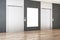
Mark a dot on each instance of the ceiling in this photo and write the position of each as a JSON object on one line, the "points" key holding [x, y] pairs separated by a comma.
{"points": [[50, 1]]}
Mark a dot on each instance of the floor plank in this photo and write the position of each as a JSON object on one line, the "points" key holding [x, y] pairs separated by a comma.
{"points": [[32, 35]]}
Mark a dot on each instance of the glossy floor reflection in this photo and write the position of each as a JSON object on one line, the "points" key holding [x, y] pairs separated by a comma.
{"points": [[32, 35]]}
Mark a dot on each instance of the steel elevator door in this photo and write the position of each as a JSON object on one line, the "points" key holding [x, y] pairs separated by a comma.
{"points": [[45, 19]]}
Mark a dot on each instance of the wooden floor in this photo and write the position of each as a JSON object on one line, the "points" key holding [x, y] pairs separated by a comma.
{"points": [[32, 35]]}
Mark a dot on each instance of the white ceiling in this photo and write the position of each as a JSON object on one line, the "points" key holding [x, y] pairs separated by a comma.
{"points": [[51, 1]]}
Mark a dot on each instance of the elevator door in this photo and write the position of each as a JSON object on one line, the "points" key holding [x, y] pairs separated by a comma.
{"points": [[45, 19]]}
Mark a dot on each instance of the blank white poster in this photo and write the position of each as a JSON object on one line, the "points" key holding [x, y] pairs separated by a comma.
{"points": [[32, 17]]}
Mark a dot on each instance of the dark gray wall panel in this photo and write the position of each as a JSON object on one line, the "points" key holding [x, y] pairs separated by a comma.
{"points": [[31, 4], [2, 15], [56, 16]]}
